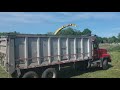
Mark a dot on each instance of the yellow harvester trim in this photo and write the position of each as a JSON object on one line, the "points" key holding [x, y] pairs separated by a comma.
{"points": [[58, 30]]}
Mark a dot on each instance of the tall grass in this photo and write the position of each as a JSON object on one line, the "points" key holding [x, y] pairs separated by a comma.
{"points": [[114, 48], [111, 48]]}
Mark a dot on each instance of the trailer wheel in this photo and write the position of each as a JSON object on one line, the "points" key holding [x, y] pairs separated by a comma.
{"points": [[105, 64], [49, 73], [30, 74]]}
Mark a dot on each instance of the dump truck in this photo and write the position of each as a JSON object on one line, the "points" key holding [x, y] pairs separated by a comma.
{"points": [[42, 56]]}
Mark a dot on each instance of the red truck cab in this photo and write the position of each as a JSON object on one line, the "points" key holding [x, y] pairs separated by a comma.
{"points": [[104, 54], [100, 55]]}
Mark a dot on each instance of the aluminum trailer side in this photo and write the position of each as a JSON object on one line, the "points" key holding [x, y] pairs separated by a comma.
{"points": [[26, 51]]}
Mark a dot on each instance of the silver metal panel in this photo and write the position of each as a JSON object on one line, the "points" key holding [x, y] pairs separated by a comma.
{"points": [[19, 48], [75, 49], [63, 49], [44, 49], [3, 45], [71, 48], [20, 51], [85, 47], [32, 50], [11, 56], [3, 52], [90, 48], [26, 51], [59, 49], [67, 48], [78, 48], [47, 49], [82, 52], [38, 51], [54, 49]]}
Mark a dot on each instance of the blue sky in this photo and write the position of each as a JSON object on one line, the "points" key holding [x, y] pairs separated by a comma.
{"points": [[104, 24]]}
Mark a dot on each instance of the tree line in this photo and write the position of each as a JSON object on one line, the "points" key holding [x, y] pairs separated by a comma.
{"points": [[71, 31], [112, 39], [11, 33]]}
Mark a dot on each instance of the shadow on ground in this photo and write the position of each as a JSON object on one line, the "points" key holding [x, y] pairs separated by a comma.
{"points": [[70, 72]]}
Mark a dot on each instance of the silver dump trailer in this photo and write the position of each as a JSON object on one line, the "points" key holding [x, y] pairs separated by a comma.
{"points": [[23, 54]]}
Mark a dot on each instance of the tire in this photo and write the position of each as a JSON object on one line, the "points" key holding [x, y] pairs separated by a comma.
{"points": [[105, 64], [30, 74], [49, 73]]}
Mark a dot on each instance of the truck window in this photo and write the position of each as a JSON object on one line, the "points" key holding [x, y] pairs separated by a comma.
{"points": [[95, 45]]}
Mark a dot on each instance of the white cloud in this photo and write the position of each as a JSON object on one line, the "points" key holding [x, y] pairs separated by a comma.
{"points": [[12, 19], [116, 29], [65, 13], [77, 16], [102, 15], [21, 17], [46, 17], [108, 33]]}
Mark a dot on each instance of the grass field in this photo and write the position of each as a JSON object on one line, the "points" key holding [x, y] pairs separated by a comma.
{"points": [[3, 74], [112, 72]]}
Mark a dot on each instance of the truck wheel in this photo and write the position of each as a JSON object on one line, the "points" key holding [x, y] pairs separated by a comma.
{"points": [[30, 74], [105, 64], [49, 73]]}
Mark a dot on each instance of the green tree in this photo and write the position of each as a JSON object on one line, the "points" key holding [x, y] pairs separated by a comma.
{"points": [[67, 31], [10, 33], [114, 39], [110, 40], [50, 33], [105, 40], [86, 32], [77, 32], [99, 39], [118, 37], [70, 31]]}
